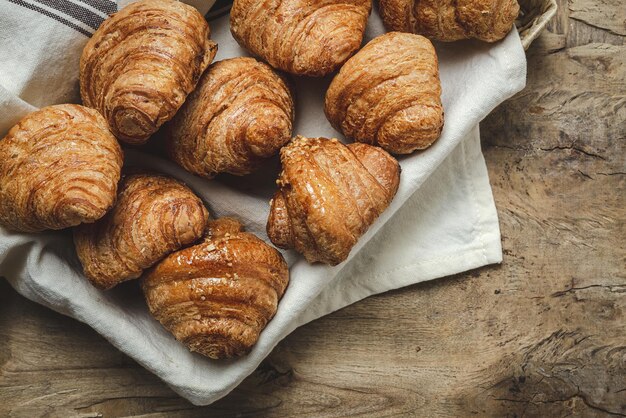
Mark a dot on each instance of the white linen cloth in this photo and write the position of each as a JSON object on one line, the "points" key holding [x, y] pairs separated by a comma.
{"points": [[442, 220]]}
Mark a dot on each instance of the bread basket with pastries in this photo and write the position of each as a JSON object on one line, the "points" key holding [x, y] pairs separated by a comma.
{"points": [[227, 179]]}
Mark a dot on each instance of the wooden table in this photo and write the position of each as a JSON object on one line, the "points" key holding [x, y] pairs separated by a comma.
{"points": [[544, 334]]}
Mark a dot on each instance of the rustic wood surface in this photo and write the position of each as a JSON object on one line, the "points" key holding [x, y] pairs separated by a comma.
{"points": [[542, 335]]}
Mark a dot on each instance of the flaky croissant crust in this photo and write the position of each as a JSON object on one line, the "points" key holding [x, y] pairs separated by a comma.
{"points": [[389, 94], [240, 114], [451, 20], [59, 167], [216, 297], [142, 62], [301, 37], [329, 194], [153, 216]]}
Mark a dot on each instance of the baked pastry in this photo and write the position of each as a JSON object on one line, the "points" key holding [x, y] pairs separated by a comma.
{"points": [[59, 167], [329, 194], [142, 62], [451, 20], [389, 94], [216, 297], [240, 114], [153, 216], [300, 36]]}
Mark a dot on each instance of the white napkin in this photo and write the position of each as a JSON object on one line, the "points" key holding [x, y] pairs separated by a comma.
{"points": [[442, 220]]}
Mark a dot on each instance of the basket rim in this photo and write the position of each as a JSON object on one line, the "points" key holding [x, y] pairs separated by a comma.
{"points": [[532, 29]]}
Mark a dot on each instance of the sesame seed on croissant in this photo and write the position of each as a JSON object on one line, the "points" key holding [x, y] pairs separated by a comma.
{"points": [[451, 20], [59, 167], [301, 37], [142, 62], [389, 94], [329, 194], [216, 297], [240, 114], [153, 216]]}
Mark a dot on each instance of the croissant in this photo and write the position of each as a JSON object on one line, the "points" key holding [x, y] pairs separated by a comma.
{"points": [[216, 297], [142, 62], [240, 114], [59, 167], [451, 20], [389, 94], [329, 194], [301, 36], [153, 216]]}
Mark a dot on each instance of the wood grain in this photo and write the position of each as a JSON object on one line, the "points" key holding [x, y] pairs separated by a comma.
{"points": [[542, 335]]}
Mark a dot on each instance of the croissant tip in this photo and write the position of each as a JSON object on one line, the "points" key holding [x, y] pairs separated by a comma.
{"points": [[217, 350], [224, 226]]}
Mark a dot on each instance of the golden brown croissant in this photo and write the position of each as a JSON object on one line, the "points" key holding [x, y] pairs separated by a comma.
{"points": [[389, 94], [142, 62], [59, 167], [153, 216], [240, 114], [451, 20], [329, 194], [301, 36], [216, 297]]}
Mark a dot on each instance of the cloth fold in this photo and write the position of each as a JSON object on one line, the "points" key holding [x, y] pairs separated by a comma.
{"points": [[442, 221]]}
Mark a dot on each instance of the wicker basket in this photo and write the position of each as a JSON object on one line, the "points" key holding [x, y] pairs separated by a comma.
{"points": [[533, 18]]}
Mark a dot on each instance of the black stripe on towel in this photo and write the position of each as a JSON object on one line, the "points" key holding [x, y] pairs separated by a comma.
{"points": [[51, 15], [76, 11], [105, 6]]}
